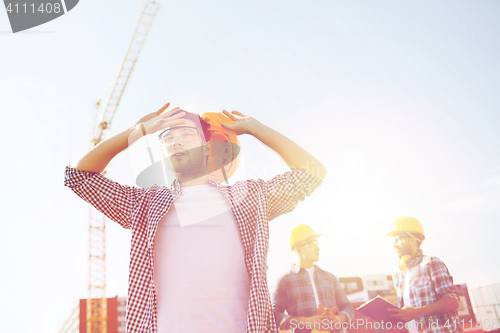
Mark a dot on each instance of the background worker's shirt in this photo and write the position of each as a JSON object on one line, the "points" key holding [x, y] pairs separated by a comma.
{"points": [[294, 293], [412, 324], [428, 281], [201, 281], [253, 203]]}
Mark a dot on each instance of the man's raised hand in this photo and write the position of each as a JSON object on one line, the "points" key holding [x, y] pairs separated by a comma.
{"points": [[242, 124], [159, 120], [100, 155]]}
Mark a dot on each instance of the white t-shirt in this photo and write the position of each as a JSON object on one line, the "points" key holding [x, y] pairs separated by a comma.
{"points": [[412, 325], [311, 277], [201, 281]]}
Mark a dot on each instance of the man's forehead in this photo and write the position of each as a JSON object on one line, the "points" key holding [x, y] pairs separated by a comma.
{"points": [[189, 122], [179, 129]]}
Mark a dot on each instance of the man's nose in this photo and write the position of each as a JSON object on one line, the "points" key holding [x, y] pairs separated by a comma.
{"points": [[177, 140]]}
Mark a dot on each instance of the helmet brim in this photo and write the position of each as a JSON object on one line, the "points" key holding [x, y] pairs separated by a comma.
{"points": [[396, 233], [305, 240]]}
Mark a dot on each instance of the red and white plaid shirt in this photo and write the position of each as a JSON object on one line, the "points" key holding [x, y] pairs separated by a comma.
{"points": [[430, 281], [253, 202], [295, 294]]}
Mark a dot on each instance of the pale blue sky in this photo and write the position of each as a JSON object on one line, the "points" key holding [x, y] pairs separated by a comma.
{"points": [[399, 100]]}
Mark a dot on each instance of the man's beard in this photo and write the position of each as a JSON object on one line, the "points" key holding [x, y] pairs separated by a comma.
{"points": [[193, 164]]}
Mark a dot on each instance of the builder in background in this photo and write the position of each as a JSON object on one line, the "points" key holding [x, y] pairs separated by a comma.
{"points": [[427, 297], [300, 291]]}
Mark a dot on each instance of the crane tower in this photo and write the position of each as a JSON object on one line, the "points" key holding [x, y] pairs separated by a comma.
{"points": [[96, 302]]}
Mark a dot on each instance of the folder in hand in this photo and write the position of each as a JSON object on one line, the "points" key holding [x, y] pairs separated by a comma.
{"points": [[376, 309]]}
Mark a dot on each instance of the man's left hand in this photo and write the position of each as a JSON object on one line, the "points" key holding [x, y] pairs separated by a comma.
{"points": [[406, 313], [293, 155], [242, 124]]}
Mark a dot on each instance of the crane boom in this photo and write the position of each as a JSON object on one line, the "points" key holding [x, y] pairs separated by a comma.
{"points": [[134, 49], [97, 302]]}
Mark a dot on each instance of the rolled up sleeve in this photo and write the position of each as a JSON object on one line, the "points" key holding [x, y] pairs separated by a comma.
{"points": [[286, 190], [114, 200], [443, 281]]}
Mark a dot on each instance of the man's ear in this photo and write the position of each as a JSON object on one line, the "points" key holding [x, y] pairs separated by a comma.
{"points": [[414, 242], [206, 154], [206, 149]]}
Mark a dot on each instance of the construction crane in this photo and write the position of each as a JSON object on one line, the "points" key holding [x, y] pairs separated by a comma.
{"points": [[96, 302]]}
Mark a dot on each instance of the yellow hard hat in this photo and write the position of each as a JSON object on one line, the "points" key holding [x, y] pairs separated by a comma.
{"points": [[405, 225], [302, 234]]}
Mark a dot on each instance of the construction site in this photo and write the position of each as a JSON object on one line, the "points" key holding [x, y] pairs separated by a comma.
{"points": [[100, 314], [397, 101]]}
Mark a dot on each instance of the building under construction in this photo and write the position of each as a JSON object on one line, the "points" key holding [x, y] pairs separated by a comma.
{"points": [[77, 320]]}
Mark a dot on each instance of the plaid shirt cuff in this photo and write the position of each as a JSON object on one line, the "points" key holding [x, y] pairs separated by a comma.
{"points": [[74, 176], [452, 295], [306, 178], [346, 315]]}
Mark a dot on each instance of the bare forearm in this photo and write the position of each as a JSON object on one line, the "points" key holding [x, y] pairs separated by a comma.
{"points": [[293, 155], [444, 305], [100, 155]]}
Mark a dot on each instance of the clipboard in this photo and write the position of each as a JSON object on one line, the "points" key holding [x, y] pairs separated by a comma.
{"points": [[376, 309]]}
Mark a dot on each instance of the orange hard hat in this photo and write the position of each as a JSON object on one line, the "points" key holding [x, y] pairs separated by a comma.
{"points": [[223, 143]]}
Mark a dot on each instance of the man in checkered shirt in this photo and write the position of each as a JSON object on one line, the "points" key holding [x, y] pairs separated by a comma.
{"points": [[427, 297], [199, 248], [301, 291]]}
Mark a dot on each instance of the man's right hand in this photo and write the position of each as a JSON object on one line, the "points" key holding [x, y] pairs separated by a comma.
{"points": [[100, 155], [157, 121]]}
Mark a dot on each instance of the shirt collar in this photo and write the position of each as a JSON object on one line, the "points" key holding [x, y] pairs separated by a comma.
{"points": [[416, 259], [296, 269], [176, 186]]}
